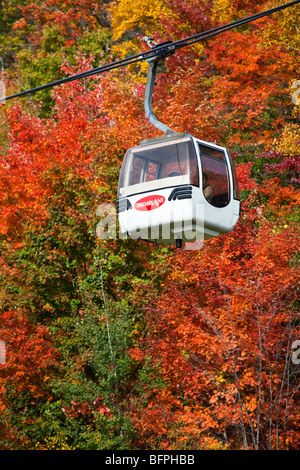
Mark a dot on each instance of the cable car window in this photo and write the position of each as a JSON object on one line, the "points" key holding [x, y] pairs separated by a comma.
{"points": [[214, 176], [159, 161], [211, 152]]}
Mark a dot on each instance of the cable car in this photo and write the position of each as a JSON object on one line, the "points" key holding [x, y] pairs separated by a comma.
{"points": [[176, 188]]}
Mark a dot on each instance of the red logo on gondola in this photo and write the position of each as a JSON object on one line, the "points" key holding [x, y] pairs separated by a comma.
{"points": [[149, 203]]}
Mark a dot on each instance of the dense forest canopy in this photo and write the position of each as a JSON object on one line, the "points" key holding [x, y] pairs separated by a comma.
{"points": [[115, 343]]}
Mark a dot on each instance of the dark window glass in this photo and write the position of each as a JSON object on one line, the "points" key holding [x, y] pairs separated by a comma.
{"points": [[215, 176]]}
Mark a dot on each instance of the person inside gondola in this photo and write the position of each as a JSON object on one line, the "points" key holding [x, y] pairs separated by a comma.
{"points": [[208, 189]]}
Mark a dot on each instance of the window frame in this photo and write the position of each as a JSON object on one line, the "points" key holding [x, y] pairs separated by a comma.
{"points": [[224, 160]]}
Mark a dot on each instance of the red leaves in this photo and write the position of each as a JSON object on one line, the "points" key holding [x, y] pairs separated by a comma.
{"points": [[86, 410], [30, 355], [247, 81], [189, 18], [71, 18], [244, 177]]}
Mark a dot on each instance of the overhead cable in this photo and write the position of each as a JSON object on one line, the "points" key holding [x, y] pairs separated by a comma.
{"points": [[160, 50]]}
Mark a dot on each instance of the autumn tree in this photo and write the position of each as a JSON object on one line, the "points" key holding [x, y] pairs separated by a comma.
{"points": [[220, 339], [67, 283]]}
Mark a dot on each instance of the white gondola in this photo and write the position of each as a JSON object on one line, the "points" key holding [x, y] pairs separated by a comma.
{"points": [[176, 188]]}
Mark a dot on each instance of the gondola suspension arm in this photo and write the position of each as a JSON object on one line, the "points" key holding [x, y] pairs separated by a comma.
{"points": [[153, 62]]}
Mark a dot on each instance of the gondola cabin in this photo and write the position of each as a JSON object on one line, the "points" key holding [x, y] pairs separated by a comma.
{"points": [[177, 189]]}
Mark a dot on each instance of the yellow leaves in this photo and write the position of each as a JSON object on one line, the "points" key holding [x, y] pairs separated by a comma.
{"points": [[278, 229], [137, 72], [227, 11], [130, 19], [222, 11], [289, 141], [285, 33], [199, 48], [142, 15], [58, 441]]}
